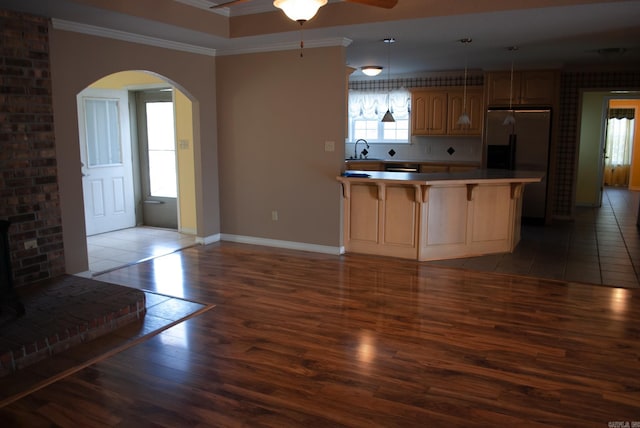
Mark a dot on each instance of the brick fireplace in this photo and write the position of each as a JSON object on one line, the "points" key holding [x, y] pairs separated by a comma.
{"points": [[29, 196]]}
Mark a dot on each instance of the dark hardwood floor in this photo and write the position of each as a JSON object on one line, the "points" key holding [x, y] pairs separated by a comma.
{"points": [[304, 339]]}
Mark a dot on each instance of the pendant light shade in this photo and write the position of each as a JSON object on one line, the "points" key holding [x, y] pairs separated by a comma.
{"points": [[464, 119], [388, 117], [299, 10]]}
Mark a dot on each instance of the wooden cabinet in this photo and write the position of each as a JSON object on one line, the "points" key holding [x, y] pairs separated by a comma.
{"points": [[436, 111], [529, 88], [428, 112], [425, 167], [474, 108], [363, 165]]}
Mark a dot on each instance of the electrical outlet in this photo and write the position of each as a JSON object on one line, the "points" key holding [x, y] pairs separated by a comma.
{"points": [[329, 146], [32, 243], [274, 215]]}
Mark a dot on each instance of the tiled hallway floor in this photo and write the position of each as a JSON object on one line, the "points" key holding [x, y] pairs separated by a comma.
{"points": [[602, 246], [111, 250]]}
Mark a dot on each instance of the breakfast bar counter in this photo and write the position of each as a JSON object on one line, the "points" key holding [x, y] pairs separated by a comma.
{"points": [[433, 216]]}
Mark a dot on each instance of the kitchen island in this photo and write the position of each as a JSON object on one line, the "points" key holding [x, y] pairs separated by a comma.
{"points": [[433, 216]]}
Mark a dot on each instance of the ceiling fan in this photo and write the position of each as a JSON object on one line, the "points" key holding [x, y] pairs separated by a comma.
{"points": [[304, 10]]}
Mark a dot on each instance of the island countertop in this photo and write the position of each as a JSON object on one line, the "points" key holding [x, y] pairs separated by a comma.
{"points": [[476, 176]]}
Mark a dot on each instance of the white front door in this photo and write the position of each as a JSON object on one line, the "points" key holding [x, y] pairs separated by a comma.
{"points": [[105, 150]]}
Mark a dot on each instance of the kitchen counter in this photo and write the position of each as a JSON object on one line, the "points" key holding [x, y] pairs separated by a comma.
{"points": [[466, 177], [433, 216]]}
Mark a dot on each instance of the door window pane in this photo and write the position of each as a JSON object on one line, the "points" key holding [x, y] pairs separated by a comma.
{"points": [[103, 132], [161, 149]]}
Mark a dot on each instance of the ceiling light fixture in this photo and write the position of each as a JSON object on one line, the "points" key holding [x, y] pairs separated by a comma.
{"points": [[299, 10], [388, 117], [371, 70], [464, 119]]}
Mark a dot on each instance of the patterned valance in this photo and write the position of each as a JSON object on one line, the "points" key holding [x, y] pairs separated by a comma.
{"points": [[621, 113], [416, 82]]}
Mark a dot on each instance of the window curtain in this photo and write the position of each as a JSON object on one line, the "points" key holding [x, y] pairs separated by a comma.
{"points": [[620, 125], [373, 105]]}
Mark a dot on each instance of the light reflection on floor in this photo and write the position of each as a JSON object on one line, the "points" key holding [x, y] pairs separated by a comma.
{"points": [[168, 275]]}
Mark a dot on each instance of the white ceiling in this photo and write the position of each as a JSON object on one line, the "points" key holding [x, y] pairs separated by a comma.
{"points": [[551, 37]]}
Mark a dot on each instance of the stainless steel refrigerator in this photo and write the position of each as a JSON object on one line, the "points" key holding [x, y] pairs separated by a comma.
{"points": [[522, 144]]}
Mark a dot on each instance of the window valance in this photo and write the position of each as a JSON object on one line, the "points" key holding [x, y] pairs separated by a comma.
{"points": [[373, 105], [621, 113]]}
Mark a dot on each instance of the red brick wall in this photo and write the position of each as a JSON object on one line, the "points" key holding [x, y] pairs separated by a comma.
{"points": [[29, 196]]}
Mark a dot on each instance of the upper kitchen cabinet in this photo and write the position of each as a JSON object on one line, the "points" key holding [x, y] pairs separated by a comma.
{"points": [[474, 108], [529, 88], [428, 112]]}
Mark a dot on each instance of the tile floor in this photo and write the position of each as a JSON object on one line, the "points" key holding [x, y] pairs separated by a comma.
{"points": [[602, 246], [108, 251]]}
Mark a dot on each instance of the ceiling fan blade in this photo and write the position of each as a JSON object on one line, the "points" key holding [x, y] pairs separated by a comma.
{"points": [[227, 4], [387, 4]]}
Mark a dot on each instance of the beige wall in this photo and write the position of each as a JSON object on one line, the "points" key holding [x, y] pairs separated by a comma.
{"points": [[276, 110], [77, 60]]}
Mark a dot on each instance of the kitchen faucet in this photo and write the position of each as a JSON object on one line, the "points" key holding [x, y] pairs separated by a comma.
{"points": [[355, 147]]}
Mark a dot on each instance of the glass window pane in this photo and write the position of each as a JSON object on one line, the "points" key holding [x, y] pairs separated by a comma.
{"points": [[162, 173], [160, 126], [102, 129], [161, 149]]}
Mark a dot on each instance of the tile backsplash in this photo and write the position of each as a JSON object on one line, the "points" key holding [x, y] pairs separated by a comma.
{"points": [[440, 149]]}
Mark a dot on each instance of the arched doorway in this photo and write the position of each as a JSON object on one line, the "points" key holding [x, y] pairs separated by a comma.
{"points": [[136, 145]]}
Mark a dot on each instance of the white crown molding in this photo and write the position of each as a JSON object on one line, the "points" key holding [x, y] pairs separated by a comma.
{"points": [[60, 24], [287, 46]]}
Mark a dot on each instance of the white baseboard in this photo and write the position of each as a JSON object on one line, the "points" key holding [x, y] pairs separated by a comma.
{"points": [[290, 245], [208, 239]]}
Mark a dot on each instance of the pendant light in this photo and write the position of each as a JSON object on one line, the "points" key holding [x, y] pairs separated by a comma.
{"points": [[511, 119], [388, 117], [299, 10], [464, 119]]}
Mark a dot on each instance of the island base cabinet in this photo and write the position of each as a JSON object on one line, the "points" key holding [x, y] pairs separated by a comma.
{"points": [[381, 220], [431, 222], [443, 232], [468, 220]]}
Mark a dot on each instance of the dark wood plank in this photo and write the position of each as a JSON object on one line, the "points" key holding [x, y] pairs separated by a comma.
{"points": [[303, 339]]}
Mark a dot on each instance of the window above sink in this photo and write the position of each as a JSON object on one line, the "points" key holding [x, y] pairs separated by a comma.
{"points": [[366, 109]]}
